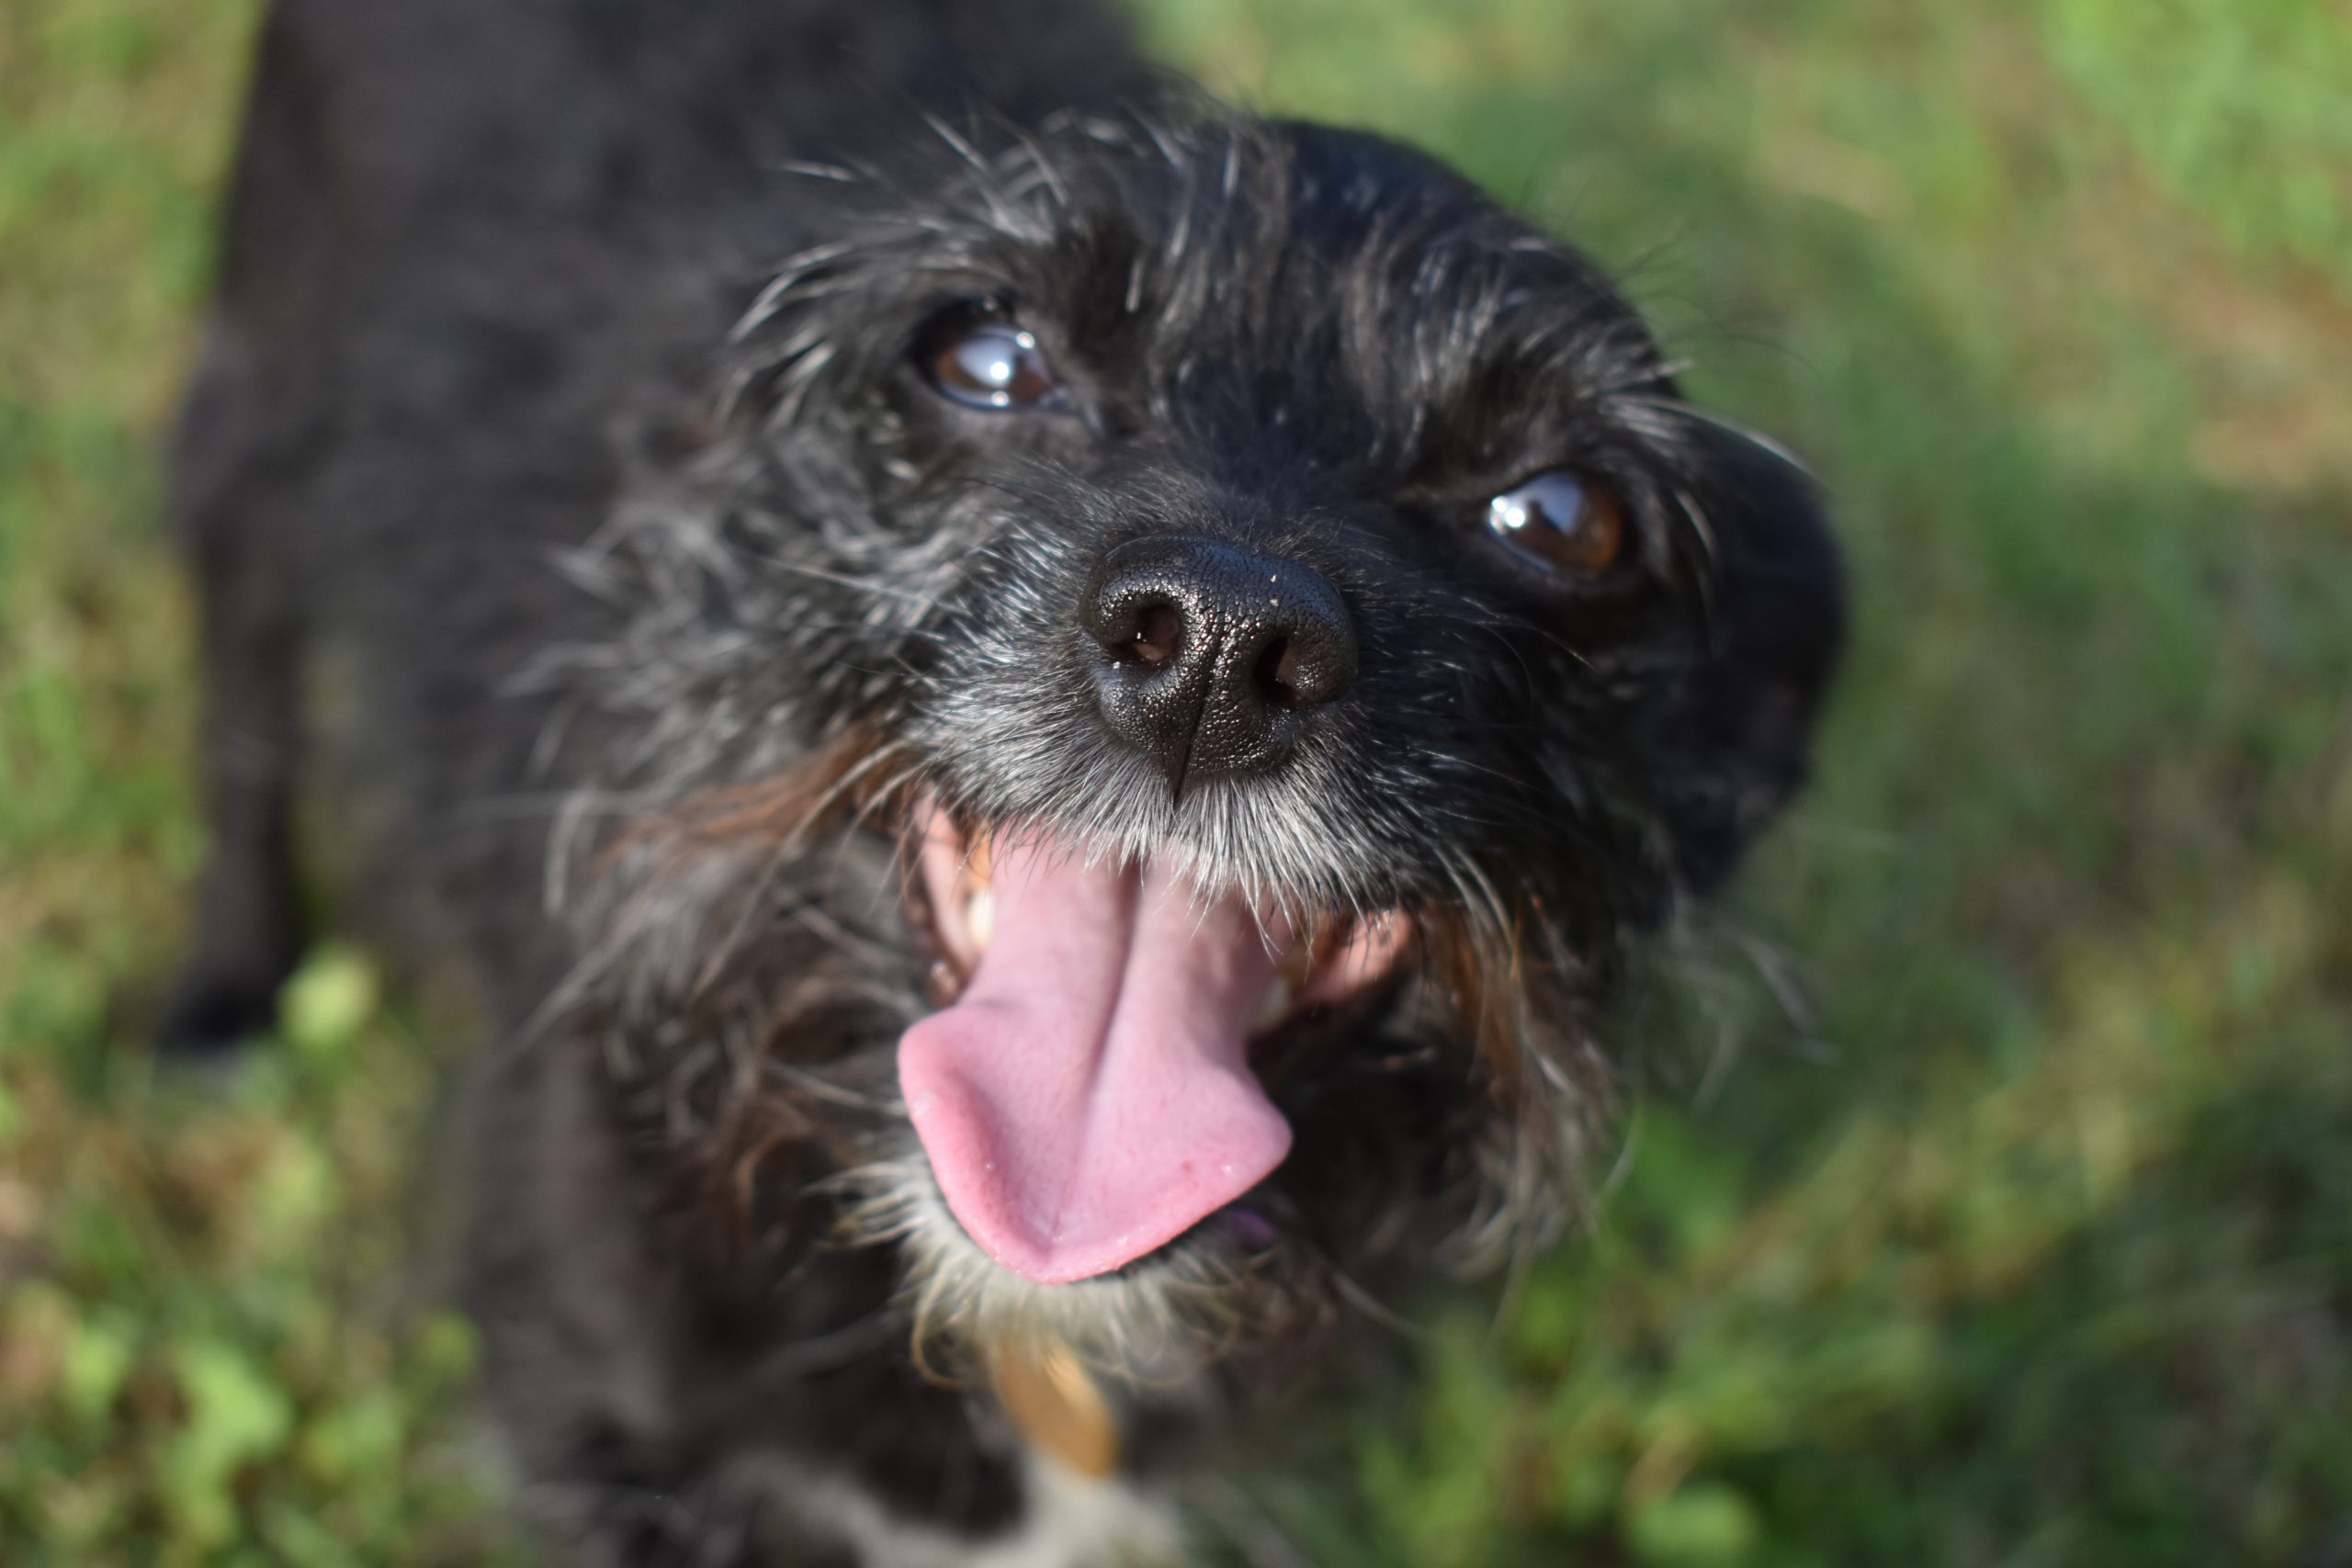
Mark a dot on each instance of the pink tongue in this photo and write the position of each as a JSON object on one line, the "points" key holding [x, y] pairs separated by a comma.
{"points": [[1089, 1098]]}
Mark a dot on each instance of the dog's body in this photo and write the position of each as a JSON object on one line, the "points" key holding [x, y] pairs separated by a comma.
{"points": [[761, 659]]}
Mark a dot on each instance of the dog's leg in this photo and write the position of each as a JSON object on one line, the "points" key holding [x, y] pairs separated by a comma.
{"points": [[230, 489], [636, 1422]]}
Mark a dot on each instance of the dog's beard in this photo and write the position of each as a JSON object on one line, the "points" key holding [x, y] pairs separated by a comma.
{"points": [[1157, 1322]]}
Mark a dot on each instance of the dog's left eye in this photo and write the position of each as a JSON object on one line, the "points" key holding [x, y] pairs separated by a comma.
{"points": [[1561, 522], [993, 367]]}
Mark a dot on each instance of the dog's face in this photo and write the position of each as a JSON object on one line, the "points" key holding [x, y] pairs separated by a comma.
{"points": [[1264, 630]]}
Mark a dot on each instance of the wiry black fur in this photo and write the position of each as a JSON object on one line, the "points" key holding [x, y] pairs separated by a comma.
{"points": [[667, 583]]}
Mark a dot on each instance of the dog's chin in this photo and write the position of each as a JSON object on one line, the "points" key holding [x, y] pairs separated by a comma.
{"points": [[1237, 1277]]}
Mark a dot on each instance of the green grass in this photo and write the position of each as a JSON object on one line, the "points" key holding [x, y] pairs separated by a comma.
{"points": [[2028, 1240]]}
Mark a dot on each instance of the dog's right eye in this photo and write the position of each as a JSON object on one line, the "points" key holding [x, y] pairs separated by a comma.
{"points": [[994, 366]]}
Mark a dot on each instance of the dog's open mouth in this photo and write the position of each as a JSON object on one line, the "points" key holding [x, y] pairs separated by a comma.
{"points": [[1087, 1094]]}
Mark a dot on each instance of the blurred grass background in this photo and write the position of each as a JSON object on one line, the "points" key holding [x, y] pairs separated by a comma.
{"points": [[1987, 1197]]}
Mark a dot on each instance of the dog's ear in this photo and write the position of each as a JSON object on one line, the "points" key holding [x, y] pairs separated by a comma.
{"points": [[1776, 626]]}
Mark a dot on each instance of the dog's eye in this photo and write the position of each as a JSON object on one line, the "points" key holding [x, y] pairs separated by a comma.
{"points": [[993, 367], [1560, 521]]}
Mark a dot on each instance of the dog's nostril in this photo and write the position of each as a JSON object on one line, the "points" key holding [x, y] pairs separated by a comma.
{"points": [[1277, 674], [1306, 663], [1158, 637]]}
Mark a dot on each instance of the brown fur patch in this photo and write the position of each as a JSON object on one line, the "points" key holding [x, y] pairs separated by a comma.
{"points": [[774, 809]]}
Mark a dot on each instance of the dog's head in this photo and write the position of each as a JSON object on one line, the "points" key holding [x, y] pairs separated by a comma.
{"points": [[1199, 645]]}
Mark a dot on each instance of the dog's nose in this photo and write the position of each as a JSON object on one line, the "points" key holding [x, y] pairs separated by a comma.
{"points": [[1210, 657]]}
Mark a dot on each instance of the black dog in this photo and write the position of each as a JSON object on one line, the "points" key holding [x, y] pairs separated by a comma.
{"points": [[1037, 797]]}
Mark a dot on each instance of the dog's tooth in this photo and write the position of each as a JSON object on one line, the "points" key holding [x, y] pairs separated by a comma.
{"points": [[979, 918]]}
